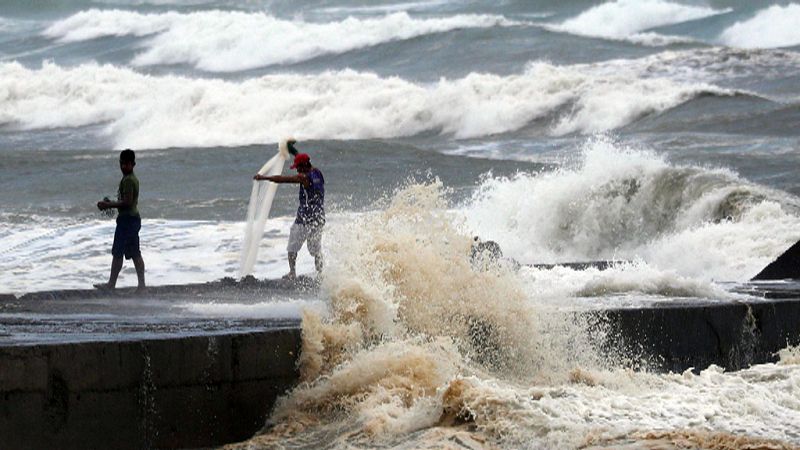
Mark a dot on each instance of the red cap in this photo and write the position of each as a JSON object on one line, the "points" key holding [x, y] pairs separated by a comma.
{"points": [[301, 158]]}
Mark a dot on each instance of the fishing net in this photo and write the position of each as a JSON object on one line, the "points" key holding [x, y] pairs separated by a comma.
{"points": [[261, 196]]}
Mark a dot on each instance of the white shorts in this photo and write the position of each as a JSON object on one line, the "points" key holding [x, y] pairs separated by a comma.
{"points": [[301, 233]]}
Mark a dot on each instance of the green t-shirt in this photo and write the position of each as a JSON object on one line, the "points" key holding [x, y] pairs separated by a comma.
{"points": [[129, 184]]}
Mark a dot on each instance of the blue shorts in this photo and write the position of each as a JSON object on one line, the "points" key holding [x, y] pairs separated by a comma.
{"points": [[126, 237]]}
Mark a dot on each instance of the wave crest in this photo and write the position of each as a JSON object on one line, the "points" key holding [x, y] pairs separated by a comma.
{"points": [[624, 203], [625, 19], [145, 111], [230, 41], [772, 27]]}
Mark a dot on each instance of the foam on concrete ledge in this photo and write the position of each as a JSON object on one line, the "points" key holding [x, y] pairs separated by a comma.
{"points": [[195, 391]]}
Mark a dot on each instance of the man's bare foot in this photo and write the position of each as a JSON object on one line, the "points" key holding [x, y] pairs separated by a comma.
{"points": [[104, 287], [289, 276], [141, 290]]}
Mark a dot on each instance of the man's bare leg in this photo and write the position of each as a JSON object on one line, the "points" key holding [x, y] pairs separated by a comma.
{"points": [[116, 266], [138, 263], [292, 263]]}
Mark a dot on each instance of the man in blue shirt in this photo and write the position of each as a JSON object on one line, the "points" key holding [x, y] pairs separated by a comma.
{"points": [[310, 219]]}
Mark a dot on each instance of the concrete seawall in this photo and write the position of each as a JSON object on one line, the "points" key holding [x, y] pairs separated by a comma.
{"points": [[730, 335], [194, 391], [153, 376]]}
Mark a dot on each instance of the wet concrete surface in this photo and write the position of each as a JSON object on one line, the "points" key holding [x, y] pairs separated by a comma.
{"points": [[219, 307]]}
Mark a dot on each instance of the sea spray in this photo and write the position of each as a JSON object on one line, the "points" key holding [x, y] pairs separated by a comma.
{"points": [[413, 274], [590, 408], [790, 355], [400, 352]]}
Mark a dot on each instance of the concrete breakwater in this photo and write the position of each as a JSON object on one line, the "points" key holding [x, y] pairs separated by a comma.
{"points": [[178, 382], [85, 369], [184, 392], [683, 336]]}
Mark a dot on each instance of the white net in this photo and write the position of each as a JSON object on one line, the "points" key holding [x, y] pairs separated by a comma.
{"points": [[261, 197]]}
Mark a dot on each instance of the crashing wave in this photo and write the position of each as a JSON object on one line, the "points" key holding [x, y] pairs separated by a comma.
{"points": [[145, 111], [229, 41], [772, 27], [627, 19]]}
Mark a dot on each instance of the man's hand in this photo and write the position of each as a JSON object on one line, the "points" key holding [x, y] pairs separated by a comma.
{"points": [[102, 205]]}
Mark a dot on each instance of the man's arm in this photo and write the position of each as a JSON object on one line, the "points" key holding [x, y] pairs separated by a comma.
{"points": [[297, 179], [126, 201]]}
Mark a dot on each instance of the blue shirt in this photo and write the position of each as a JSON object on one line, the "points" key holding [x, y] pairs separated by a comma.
{"points": [[312, 200]]}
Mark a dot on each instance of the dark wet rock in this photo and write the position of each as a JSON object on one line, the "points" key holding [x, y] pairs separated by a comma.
{"points": [[227, 281], [248, 280], [786, 266]]}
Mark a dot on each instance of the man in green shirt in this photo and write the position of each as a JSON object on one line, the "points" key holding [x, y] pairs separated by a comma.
{"points": [[126, 236]]}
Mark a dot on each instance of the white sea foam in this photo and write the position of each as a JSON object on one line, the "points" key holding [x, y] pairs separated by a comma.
{"points": [[622, 203], [154, 2], [606, 103], [225, 41], [633, 284], [93, 24], [144, 111], [618, 405], [49, 255], [626, 19], [704, 65], [385, 8], [751, 408], [658, 40], [772, 27]]}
